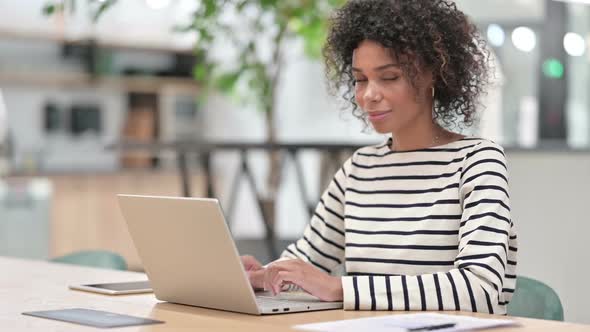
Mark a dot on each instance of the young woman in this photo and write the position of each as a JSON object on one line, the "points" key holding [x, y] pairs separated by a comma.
{"points": [[422, 221]]}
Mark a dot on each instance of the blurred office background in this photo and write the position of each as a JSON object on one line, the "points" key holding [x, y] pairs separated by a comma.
{"points": [[70, 87]]}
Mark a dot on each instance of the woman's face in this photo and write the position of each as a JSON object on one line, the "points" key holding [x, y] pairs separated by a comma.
{"points": [[385, 94]]}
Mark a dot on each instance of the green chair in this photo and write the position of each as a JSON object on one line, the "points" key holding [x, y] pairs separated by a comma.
{"points": [[94, 258], [535, 299]]}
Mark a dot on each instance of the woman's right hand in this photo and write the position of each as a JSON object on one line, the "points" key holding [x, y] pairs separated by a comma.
{"points": [[254, 270]]}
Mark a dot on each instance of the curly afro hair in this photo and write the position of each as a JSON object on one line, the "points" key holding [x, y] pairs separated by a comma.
{"points": [[423, 35]]}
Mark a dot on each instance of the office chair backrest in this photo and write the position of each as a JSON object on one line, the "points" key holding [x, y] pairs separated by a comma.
{"points": [[535, 299], [94, 258]]}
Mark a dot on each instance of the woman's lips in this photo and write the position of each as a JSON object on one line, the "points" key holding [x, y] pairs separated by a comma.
{"points": [[378, 115]]}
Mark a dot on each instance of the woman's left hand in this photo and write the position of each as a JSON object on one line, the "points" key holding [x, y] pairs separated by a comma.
{"points": [[304, 275]]}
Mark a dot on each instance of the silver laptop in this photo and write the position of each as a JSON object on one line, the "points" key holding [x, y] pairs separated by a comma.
{"points": [[190, 258]]}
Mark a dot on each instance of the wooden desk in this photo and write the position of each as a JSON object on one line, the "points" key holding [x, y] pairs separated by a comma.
{"points": [[36, 285]]}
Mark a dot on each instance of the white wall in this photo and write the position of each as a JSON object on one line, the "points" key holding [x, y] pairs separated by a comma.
{"points": [[550, 208], [503, 10]]}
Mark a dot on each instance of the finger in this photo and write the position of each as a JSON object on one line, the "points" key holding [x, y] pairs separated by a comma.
{"points": [[268, 276], [245, 262], [277, 282], [277, 279], [306, 277], [284, 278], [276, 289], [256, 278], [252, 279], [250, 263], [264, 280], [271, 283], [273, 279], [255, 264]]}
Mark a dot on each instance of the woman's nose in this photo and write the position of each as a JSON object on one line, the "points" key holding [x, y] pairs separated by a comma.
{"points": [[372, 93]]}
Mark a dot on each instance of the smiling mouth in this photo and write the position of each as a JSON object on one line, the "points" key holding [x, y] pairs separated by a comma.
{"points": [[378, 115]]}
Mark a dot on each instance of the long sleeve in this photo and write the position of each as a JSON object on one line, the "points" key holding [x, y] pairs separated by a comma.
{"points": [[481, 278], [323, 242]]}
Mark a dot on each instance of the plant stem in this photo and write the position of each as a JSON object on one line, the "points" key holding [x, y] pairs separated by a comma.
{"points": [[270, 111]]}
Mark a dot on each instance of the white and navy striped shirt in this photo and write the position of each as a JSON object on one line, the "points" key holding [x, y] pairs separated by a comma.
{"points": [[426, 229]]}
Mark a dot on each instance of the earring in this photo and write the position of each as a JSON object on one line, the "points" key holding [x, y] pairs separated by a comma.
{"points": [[433, 92]]}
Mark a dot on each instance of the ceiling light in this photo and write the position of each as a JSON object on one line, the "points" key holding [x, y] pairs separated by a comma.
{"points": [[524, 39], [496, 35], [574, 44]]}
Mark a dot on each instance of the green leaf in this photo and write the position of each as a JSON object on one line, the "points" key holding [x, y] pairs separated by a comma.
{"points": [[296, 24], [184, 28], [314, 36], [210, 8], [49, 9], [241, 5], [205, 35], [102, 9], [201, 72], [226, 82], [267, 4], [336, 3]]}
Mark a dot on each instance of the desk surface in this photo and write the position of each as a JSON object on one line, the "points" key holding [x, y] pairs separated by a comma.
{"points": [[36, 285]]}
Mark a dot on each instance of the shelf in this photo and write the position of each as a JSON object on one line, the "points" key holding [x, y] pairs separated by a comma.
{"points": [[57, 38], [142, 84]]}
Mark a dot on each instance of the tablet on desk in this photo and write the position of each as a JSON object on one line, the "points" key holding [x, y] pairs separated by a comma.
{"points": [[116, 288], [95, 318]]}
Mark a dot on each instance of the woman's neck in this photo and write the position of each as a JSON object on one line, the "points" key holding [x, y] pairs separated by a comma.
{"points": [[424, 135]]}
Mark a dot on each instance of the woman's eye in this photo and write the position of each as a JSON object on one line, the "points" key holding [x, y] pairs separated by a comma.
{"points": [[392, 78], [359, 80]]}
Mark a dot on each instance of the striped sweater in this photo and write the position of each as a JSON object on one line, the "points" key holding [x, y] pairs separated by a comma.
{"points": [[425, 229]]}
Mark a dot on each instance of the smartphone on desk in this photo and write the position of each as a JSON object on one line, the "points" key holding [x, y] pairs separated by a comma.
{"points": [[116, 288]]}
